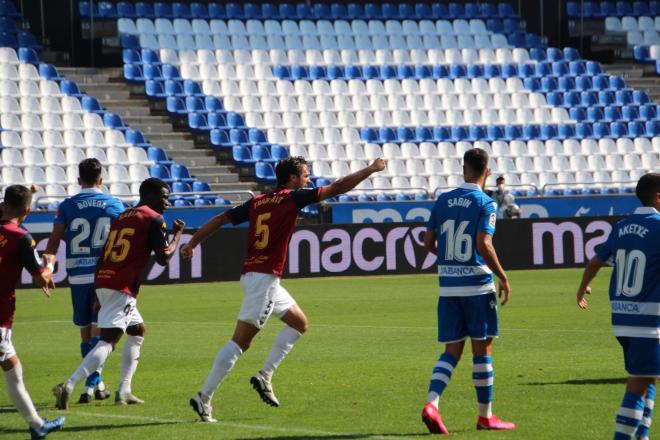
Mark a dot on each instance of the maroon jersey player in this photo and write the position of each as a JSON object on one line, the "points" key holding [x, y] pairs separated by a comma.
{"points": [[133, 237], [17, 252], [272, 219]]}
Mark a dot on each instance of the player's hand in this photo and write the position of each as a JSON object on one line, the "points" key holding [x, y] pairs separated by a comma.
{"points": [[178, 225], [45, 281], [582, 303], [49, 260], [503, 289], [187, 251], [378, 165]]}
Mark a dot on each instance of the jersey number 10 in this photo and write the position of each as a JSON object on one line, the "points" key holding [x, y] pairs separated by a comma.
{"points": [[458, 243], [630, 272]]}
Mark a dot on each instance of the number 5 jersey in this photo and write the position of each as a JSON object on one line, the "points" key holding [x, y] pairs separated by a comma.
{"points": [[133, 236], [272, 219], [634, 248]]}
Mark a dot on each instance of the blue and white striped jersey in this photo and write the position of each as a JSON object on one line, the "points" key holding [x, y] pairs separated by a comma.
{"points": [[456, 218], [634, 249], [87, 217]]}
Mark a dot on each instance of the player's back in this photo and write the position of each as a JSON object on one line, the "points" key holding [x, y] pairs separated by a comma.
{"points": [[635, 252], [133, 236], [87, 217], [457, 217]]}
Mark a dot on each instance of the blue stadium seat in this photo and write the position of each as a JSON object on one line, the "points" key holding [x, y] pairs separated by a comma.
{"points": [[613, 113], [161, 172], [572, 99], [261, 153], [129, 41], [144, 10], [238, 136], [509, 70], [155, 90], [316, 72], [370, 72], [494, 132], [213, 104], [526, 70], [279, 152], [150, 71], [475, 71], [126, 10], [7, 24], [636, 129], [131, 56], [85, 10], [512, 132], [199, 10], [180, 202], [386, 134], [175, 106], [133, 73], [27, 39], [457, 71], [583, 130], [566, 83], [590, 9], [422, 71], [605, 98], [578, 113], [234, 10], [456, 10], [191, 88], [576, 68], [549, 83], [49, 71], [404, 134], [180, 173], [560, 68], [583, 83], [630, 113], [618, 130], [136, 138], [555, 99], [642, 54], [548, 131], [648, 111], [321, 11], [181, 187], [217, 10], [652, 128], [439, 10], [607, 9], [219, 139], [589, 99], [7, 9], [601, 82], [566, 131], [202, 202], [459, 133], [91, 104], [423, 134], [554, 54], [150, 56], [533, 84], [571, 54], [304, 11], [265, 173], [640, 97], [495, 25], [181, 10], [219, 201], [492, 71], [440, 71], [624, 97], [113, 120], [107, 10], [616, 82], [201, 186], [216, 120], [70, 88], [623, 8], [28, 56], [441, 134], [256, 136], [594, 68], [252, 11], [197, 122], [194, 104]]}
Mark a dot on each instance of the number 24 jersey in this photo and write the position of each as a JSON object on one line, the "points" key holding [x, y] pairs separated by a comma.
{"points": [[133, 236]]}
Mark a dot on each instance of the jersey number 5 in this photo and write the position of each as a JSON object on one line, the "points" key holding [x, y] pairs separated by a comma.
{"points": [[118, 245], [458, 243], [630, 272], [262, 231]]}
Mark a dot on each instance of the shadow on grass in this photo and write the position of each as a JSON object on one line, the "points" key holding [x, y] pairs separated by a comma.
{"points": [[337, 436], [603, 381], [68, 428]]}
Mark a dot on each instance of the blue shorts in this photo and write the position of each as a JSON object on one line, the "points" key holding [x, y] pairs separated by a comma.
{"points": [[460, 317], [641, 355], [83, 297]]}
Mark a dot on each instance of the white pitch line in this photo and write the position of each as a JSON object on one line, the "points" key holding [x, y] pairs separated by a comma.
{"points": [[354, 326], [220, 424]]}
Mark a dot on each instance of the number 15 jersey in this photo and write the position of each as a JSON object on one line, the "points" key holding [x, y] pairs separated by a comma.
{"points": [[272, 219], [634, 248], [133, 236], [456, 218]]}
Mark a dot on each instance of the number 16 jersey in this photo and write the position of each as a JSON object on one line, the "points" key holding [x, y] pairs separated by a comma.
{"points": [[456, 218], [133, 236], [272, 219]]}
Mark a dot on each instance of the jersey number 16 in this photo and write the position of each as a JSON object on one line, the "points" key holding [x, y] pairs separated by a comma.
{"points": [[458, 243]]}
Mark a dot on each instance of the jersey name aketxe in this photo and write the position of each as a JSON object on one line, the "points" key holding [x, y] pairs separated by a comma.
{"points": [[87, 217], [133, 236], [456, 218], [634, 249], [272, 220]]}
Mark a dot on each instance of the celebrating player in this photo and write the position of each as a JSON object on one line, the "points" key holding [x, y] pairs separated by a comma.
{"points": [[460, 233], [133, 236], [17, 252], [272, 220], [85, 220], [634, 248]]}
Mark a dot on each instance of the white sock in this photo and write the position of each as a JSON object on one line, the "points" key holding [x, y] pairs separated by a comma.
{"points": [[20, 397], [486, 410], [130, 356], [222, 365], [90, 364], [282, 346]]}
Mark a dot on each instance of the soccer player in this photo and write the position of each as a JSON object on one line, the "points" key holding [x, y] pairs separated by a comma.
{"points": [[460, 233], [17, 252], [133, 236], [84, 220], [272, 219], [633, 247]]}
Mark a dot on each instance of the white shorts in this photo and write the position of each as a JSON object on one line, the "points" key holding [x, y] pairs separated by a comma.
{"points": [[6, 348], [262, 296], [118, 310]]}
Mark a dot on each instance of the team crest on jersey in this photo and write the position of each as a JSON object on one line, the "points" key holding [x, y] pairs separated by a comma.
{"points": [[493, 304], [492, 220]]}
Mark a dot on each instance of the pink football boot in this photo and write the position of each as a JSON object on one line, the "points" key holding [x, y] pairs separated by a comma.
{"points": [[493, 422], [431, 417]]}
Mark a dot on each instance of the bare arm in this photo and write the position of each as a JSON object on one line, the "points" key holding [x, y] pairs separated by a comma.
{"points": [[487, 252], [430, 243], [53, 244], [203, 233], [163, 256], [589, 274], [347, 183]]}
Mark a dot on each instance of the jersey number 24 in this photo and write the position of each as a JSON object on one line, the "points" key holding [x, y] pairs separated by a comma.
{"points": [[83, 227]]}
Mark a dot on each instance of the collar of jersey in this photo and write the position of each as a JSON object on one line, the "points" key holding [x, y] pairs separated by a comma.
{"points": [[646, 210], [467, 185], [90, 190]]}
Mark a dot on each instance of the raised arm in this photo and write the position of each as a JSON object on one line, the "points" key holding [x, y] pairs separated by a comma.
{"points": [[487, 252], [163, 255], [589, 274], [347, 183], [205, 232]]}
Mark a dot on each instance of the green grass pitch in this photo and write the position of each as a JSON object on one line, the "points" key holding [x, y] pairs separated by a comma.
{"points": [[361, 371]]}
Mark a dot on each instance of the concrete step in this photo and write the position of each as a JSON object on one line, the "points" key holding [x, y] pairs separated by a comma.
{"points": [[156, 127], [146, 120], [191, 152], [128, 112], [107, 94], [222, 169], [190, 162], [86, 79], [235, 187], [217, 177]]}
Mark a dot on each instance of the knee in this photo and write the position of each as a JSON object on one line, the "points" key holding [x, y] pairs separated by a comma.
{"points": [[302, 326], [137, 330]]}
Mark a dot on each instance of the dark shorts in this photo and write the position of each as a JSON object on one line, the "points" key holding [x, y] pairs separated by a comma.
{"points": [[460, 317], [641, 355], [83, 297]]}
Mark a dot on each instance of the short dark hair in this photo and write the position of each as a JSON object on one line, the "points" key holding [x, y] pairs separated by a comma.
{"points": [[288, 166], [476, 160], [152, 187], [499, 179], [17, 198], [90, 170], [647, 186]]}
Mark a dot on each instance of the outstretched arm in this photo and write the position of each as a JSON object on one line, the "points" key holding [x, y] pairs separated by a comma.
{"points": [[203, 233], [347, 183], [487, 252], [589, 274]]}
